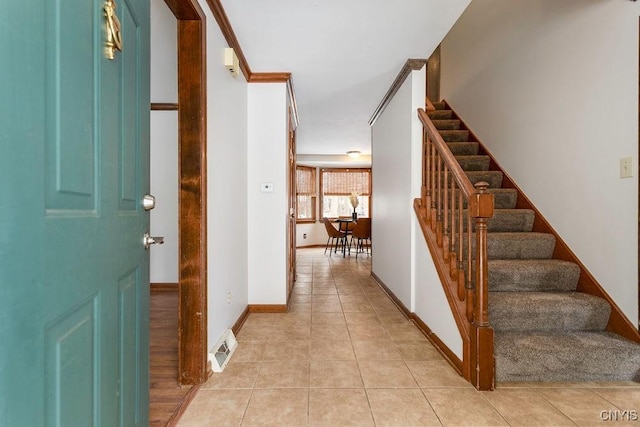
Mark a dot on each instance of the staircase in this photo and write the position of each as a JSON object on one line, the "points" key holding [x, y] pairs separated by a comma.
{"points": [[545, 330]]}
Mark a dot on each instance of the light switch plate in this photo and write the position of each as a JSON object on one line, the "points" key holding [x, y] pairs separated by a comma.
{"points": [[266, 187], [626, 167]]}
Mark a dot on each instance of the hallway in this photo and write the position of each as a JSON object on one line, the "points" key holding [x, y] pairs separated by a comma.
{"points": [[345, 355]]}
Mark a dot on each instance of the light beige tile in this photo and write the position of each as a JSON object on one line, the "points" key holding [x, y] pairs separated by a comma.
{"points": [[353, 298], [329, 332], [355, 318], [435, 373], [392, 317], [289, 374], [215, 408], [335, 374], [357, 307], [350, 290], [235, 375], [249, 351], [339, 407], [611, 384], [299, 308], [386, 374], [625, 398], [293, 318], [582, 406], [291, 332], [255, 333], [328, 319], [324, 290], [418, 350], [287, 350], [463, 407], [401, 407], [538, 384], [260, 319], [328, 307], [367, 331], [376, 350], [525, 407], [332, 350], [277, 408], [324, 298], [301, 298], [405, 332]]}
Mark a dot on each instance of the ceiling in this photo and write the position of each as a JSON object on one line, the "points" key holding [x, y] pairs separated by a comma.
{"points": [[343, 56]]}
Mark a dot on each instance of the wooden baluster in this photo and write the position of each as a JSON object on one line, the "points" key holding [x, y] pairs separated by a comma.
{"points": [[434, 159], [461, 277], [469, 284], [482, 333], [445, 215], [426, 181], [453, 256], [438, 229]]}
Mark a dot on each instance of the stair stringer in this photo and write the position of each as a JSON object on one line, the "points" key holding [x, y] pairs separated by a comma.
{"points": [[450, 287], [587, 283]]}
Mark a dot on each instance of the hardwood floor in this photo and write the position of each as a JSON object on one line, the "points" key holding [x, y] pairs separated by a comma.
{"points": [[167, 399]]}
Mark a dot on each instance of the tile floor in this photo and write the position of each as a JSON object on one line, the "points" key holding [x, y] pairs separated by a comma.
{"points": [[346, 356]]}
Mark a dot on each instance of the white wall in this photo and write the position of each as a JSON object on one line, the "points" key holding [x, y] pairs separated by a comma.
{"points": [[393, 180], [316, 234], [226, 187], [268, 212], [551, 87], [164, 144], [431, 303]]}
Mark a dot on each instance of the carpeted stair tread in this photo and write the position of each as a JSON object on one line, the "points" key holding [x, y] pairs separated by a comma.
{"points": [[464, 148], [447, 124], [513, 220], [506, 220], [529, 245], [474, 163], [440, 105], [547, 311], [455, 135], [533, 275], [566, 356], [440, 114], [493, 178]]}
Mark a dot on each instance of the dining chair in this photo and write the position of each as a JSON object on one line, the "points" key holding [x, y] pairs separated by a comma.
{"points": [[335, 237], [362, 233]]}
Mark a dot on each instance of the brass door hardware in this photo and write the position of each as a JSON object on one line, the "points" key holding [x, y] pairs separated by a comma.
{"points": [[114, 36]]}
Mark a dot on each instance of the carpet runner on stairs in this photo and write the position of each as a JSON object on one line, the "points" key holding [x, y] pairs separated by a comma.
{"points": [[544, 329]]}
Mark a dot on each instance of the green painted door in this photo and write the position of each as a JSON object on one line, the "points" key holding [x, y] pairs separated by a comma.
{"points": [[74, 154]]}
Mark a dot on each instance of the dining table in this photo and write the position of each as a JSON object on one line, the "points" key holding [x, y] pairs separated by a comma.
{"points": [[343, 227]]}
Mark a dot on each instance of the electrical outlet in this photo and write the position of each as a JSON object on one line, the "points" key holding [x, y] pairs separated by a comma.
{"points": [[229, 298], [304, 236], [626, 167]]}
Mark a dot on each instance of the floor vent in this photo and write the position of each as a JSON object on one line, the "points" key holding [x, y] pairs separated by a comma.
{"points": [[222, 351]]}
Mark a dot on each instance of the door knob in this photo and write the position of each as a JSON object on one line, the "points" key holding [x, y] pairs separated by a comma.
{"points": [[152, 240], [148, 202]]}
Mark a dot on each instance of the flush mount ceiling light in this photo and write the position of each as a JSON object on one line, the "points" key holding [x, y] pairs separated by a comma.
{"points": [[353, 154]]}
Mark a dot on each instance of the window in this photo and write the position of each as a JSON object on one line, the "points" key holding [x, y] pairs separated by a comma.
{"points": [[336, 187], [306, 194]]}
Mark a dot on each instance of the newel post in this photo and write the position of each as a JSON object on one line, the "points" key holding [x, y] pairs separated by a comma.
{"points": [[482, 360]]}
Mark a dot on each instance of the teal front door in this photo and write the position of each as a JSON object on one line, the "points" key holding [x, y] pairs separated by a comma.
{"points": [[74, 154]]}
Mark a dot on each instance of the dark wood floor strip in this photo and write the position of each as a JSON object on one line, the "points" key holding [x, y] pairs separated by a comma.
{"points": [[167, 398]]}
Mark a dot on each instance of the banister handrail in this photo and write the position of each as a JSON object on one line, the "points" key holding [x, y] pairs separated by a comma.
{"points": [[462, 268], [447, 156]]}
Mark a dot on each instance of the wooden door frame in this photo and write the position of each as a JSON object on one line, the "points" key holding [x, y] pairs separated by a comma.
{"points": [[192, 213]]}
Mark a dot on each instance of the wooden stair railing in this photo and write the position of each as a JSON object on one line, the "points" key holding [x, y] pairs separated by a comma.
{"points": [[441, 214]]}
